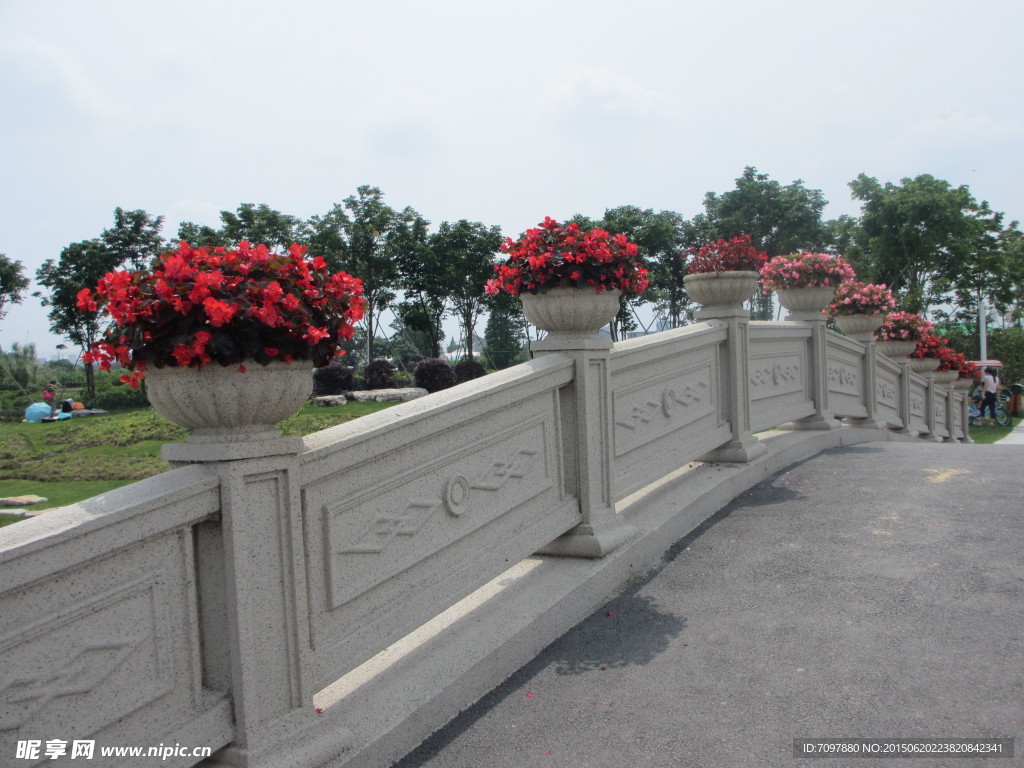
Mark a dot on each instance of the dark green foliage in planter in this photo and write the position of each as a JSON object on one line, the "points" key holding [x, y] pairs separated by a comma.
{"points": [[466, 370], [333, 379], [379, 374], [434, 374]]}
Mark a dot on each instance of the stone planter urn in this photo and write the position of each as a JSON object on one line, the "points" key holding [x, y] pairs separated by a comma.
{"points": [[895, 349], [223, 406], [804, 300], [923, 364], [721, 290], [565, 312], [946, 378], [963, 385], [859, 325]]}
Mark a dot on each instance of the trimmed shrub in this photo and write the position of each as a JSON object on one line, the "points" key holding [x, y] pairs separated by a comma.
{"points": [[465, 370], [119, 399], [379, 374], [333, 379], [434, 374]]}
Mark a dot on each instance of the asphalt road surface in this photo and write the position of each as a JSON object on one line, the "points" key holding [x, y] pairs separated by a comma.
{"points": [[875, 591]]}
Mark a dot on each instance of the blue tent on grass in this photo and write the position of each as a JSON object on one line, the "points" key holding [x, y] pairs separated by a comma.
{"points": [[37, 412]]}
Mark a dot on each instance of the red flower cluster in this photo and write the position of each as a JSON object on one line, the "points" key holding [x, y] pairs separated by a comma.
{"points": [[202, 305], [930, 345], [556, 255], [951, 360], [968, 370], [736, 255]]}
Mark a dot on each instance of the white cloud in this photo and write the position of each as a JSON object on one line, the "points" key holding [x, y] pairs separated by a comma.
{"points": [[616, 93], [51, 67], [961, 126]]}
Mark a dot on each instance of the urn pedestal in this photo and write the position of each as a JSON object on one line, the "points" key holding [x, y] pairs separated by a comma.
{"points": [[717, 291], [231, 413]]}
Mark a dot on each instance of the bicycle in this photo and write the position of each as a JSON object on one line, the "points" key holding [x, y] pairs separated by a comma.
{"points": [[1002, 417]]}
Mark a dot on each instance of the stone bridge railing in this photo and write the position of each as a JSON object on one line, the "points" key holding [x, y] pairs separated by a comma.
{"points": [[335, 602]]}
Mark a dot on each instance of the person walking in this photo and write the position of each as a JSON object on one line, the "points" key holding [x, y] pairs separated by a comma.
{"points": [[990, 386]]}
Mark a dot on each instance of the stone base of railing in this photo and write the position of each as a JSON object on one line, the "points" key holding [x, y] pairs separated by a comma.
{"points": [[590, 540], [866, 423], [739, 451], [813, 424]]}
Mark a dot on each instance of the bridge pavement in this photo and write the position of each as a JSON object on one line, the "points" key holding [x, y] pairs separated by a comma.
{"points": [[870, 591]]}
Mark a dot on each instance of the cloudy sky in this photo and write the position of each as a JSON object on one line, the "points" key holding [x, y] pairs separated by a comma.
{"points": [[494, 112]]}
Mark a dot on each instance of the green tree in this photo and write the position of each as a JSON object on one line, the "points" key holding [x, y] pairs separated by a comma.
{"points": [[20, 365], [134, 239], [259, 224], [326, 235], [421, 278], [81, 265], [1011, 243], [13, 284], [362, 236], [407, 344], [780, 219], [505, 332], [199, 235], [925, 239], [659, 237], [464, 254]]}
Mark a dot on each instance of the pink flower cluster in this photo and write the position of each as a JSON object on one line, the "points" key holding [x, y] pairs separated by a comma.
{"points": [[854, 298], [903, 326], [805, 270]]}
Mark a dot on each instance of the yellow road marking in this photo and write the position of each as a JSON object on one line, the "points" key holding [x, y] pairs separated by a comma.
{"points": [[942, 475]]}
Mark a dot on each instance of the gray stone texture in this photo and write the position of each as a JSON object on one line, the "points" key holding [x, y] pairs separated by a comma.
{"points": [[336, 598]]}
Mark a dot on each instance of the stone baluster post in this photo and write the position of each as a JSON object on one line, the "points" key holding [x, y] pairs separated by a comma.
{"points": [[965, 416], [743, 446], [950, 418], [601, 530], [817, 356], [904, 396], [932, 393], [869, 385], [252, 596]]}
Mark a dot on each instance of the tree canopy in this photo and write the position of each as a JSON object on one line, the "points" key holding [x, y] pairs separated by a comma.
{"points": [[81, 265], [13, 284], [463, 255], [932, 242], [134, 240], [659, 237], [927, 240]]}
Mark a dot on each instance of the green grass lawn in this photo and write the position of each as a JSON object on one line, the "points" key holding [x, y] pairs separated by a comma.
{"points": [[72, 460], [988, 435]]}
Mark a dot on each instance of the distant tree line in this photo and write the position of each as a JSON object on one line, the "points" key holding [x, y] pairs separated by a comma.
{"points": [[935, 245]]}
